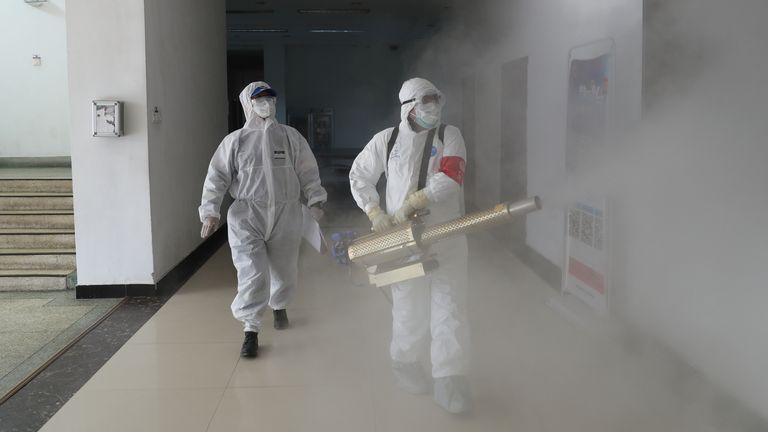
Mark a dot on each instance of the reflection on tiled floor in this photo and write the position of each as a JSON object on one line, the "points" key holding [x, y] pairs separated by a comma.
{"points": [[35, 325], [534, 371]]}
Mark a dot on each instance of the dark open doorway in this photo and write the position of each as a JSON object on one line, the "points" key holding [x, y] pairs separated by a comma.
{"points": [[514, 108], [468, 131], [243, 67]]}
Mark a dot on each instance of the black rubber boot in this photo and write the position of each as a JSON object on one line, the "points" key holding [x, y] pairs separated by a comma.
{"points": [[250, 345], [281, 319]]}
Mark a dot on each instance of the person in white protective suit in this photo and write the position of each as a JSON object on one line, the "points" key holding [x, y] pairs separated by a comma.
{"points": [[265, 166], [429, 311]]}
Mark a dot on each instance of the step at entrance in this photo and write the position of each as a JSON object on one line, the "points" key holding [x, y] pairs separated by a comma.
{"points": [[46, 186], [32, 201], [37, 259], [37, 239], [37, 236], [31, 219], [33, 280]]}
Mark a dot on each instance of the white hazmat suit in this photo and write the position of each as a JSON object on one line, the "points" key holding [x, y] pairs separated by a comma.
{"points": [[266, 167], [434, 305]]}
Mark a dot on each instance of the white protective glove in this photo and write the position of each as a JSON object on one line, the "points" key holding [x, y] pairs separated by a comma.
{"points": [[380, 220], [316, 212], [415, 201], [209, 226]]}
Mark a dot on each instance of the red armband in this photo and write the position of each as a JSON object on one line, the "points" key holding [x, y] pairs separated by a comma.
{"points": [[453, 167]]}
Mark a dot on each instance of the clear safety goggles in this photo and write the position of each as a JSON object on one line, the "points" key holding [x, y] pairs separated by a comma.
{"points": [[436, 98]]}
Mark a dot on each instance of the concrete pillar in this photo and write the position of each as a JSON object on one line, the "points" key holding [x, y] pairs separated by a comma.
{"points": [[136, 196]]}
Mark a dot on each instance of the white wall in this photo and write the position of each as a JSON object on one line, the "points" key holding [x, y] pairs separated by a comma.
{"points": [[360, 82], [533, 34], [491, 33], [136, 196], [106, 52], [34, 106], [186, 80], [692, 183], [687, 183]]}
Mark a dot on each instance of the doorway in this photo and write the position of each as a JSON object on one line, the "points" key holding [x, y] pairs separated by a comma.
{"points": [[514, 120], [243, 68]]}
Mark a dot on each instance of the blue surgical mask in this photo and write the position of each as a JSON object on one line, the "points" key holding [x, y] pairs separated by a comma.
{"points": [[427, 115]]}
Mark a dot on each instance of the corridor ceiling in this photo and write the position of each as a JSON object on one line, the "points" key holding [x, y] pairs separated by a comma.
{"points": [[395, 22]]}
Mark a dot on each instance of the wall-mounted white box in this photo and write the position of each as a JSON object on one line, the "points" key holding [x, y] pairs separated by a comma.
{"points": [[107, 118]]}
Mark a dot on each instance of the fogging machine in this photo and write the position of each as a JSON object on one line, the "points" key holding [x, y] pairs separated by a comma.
{"points": [[401, 253]]}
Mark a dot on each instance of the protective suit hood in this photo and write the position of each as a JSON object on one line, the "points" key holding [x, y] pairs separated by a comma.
{"points": [[415, 88], [251, 119]]}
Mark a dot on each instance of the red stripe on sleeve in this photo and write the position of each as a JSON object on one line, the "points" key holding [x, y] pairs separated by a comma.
{"points": [[453, 167]]}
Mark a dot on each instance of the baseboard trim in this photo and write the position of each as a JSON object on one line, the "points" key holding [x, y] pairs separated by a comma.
{"points": [[166, 286], [543, 267], [114, 291], [180, 274]]}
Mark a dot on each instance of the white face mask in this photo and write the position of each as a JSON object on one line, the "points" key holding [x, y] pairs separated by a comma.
{"points": [[264, 107], [427, 115]]}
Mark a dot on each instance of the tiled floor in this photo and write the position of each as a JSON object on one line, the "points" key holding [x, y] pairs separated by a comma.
{"points": [[534, 371]]}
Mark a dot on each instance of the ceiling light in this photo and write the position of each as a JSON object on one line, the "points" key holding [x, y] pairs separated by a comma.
{"points": [[334, 31], [358, 11], [255, 12], [259, 30]]}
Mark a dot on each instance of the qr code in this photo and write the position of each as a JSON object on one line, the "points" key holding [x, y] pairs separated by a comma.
{"points": [[573, 223], [599, 233], [587, 230]]}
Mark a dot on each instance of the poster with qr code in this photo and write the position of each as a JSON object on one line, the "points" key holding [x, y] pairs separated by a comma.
{"points": [[586, 257]]}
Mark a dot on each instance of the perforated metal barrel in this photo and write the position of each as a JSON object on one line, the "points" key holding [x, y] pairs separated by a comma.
{"points": [[386, 246], [500, 214]]}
